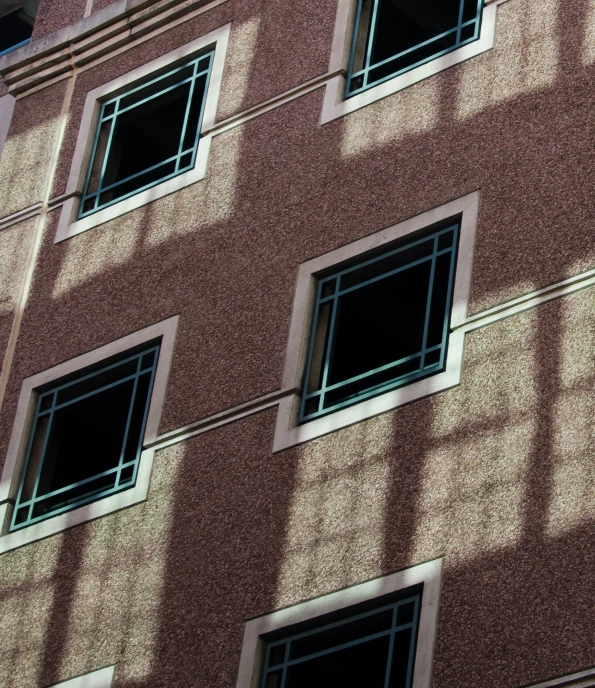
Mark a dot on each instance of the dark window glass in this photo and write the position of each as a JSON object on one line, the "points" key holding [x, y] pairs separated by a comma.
{"points": [[393, 36], [16, 26], [381, 323], [147, 135], [87, 437], [374, 648]]}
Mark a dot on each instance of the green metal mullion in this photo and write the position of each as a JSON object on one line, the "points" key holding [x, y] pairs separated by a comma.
{"points": [[129, 419], [138, 174], [107, 152], [28, 455], [429, 304], [449, 298], [412, 644], [371, 40], [42, 459], [285, 664], [354, 43], [102, 119], [187, 115], [203, 105], [154, 95], [93, 392], [311, 350], [330, 346], [153, 371], [146, 84], [391, 646], [459, 23]]}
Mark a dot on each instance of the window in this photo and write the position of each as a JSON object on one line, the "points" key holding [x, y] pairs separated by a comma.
{"points": [[378, 323], [86, 438], [148, 134], [376, 634], [381, 323], [16, 24], [394, 36], [145, 134], [373, 648], [82, 441]]}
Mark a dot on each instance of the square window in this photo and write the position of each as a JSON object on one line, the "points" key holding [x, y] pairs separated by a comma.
{"points": [[376, 634], [362, 647], [381, 323], [16, 25], [86, 437], [147, 135], [392, 37]]}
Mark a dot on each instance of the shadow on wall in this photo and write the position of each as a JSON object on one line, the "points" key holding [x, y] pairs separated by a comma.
{"points": [[493, 474]]}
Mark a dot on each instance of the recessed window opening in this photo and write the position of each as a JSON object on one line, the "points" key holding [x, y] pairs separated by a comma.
{"points": [[367, 647], [86, 437], [393, 36], [381, 323], [147, 135], [16, 24]]}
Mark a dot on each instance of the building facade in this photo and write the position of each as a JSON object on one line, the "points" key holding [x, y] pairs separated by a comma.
{"points": [[298, 343]]}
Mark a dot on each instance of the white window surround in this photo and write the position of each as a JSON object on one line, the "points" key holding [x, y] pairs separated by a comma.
{"points": [[17, 447], [429, 573], [6, 109], [582, 679], [335, 105], [69, 225], [102, 678], [287, 430]]}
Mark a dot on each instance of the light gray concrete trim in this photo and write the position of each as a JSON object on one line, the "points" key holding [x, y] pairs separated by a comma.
{"points": [[429, 573], [6, 109], [101, 678], [287, 430], [68, 225], [335, 105], [17, 447], [21, 215], [582, 679]]}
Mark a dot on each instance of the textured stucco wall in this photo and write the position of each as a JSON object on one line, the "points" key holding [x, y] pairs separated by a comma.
{"points": [[54, 15], [495, 475]]}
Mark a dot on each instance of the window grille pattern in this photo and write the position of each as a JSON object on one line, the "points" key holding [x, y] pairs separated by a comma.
{"points": [[375, 649], [381, 324], [86, 438], [147, 135], [393, 36]]}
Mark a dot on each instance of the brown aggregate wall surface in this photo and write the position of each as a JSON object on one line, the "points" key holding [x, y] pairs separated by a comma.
{"points": [[29, 149], [496, 475], [54, 15], [15, 247], [281, 189]]}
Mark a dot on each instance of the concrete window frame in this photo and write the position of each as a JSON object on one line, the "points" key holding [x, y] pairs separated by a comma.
{"points": [[288, 431], [429, 574], [166, 330], [69, 225], [101, 678], [335, 105]]}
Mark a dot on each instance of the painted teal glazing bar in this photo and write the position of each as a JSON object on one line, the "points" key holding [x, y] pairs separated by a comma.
{"points": [[86, 438], [392, 37], [147, 135], [381, 323], [375, 648]]}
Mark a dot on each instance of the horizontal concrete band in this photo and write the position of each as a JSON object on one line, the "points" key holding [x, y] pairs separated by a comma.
{"points": [[475, 322]]}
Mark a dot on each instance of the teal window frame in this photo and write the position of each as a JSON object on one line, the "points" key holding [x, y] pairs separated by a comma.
{"points": [[185, 158], [330, 290], [279, 653], [125, 473], [408, 56]]}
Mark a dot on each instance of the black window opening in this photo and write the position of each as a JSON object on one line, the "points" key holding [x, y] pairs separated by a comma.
{"points": [[381, 324], [147, 135], [393, 36], [86, 437], [16, 25], [357, 648]]}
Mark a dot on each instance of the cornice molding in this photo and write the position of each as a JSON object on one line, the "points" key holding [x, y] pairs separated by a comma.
{"points": [[116, 27]]}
